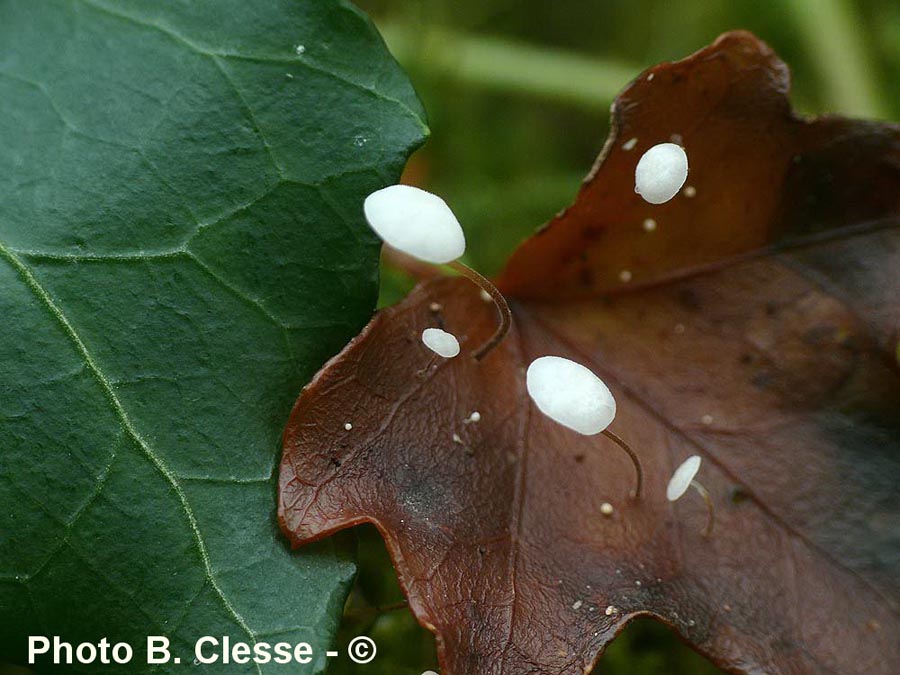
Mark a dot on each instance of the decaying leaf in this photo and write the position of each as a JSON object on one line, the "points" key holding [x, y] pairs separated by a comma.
{"points": [[753, 322]]}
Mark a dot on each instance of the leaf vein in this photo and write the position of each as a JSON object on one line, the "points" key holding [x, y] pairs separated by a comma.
{"points": [[33, 284]]}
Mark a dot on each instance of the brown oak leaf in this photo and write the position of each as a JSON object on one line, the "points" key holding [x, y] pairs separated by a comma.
{"points": [[754, 322]]}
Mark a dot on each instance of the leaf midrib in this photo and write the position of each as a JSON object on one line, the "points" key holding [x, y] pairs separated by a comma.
{"points": [[120, 412]]}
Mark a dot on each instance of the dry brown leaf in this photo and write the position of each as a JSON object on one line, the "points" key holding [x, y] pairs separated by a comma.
{"points": [[758, 327]]}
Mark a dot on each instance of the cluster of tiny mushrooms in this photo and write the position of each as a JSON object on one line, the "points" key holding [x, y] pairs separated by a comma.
{"points": [[421, 225]]}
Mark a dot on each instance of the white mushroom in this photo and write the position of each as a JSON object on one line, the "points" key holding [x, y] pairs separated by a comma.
{"points": [[415, 222], [570, 394], [681, 479], [661, 172], [441, 342], [421, 225]]}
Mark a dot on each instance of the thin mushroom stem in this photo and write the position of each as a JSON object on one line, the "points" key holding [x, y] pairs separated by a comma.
{"points": [[711, 517], [499, 301], [422, 372], [634, 459]]}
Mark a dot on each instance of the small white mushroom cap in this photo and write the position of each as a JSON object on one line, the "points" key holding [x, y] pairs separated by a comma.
{"points": [[661, 172], [415, 222], [570, 394], [441, 342], [681, 479]]}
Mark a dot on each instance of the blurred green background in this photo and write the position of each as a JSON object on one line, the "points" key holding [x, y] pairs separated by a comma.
{"points": [[518, 92], [518, 95]]}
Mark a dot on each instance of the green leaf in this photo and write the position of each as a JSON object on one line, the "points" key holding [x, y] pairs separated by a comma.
{"points": [[181, 246]]}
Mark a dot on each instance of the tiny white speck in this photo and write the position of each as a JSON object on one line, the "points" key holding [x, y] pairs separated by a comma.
{"points": [[707, 419], [625, 276], [360, 141], [289, 76], [649, 225], [611, 610], [637, 582], [629, 144], [486, 296], [348, 426], [606, 509], [650, 77], [679, 328], [435, 307], [300, 49], [726, 607], [577, 604], [474, 417], [618, 571], [457, 439], [690, 191], [692, 623]]}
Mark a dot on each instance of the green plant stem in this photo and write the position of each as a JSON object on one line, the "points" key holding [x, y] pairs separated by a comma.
{"points": [[507, 65], [834, 36]]}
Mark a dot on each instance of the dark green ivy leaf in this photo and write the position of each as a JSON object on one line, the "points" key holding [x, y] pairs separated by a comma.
{"points": [[181, 246]]}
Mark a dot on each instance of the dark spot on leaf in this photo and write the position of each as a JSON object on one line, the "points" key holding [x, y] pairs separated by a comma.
{"points": [[763, 379], [687, 298], [739, 495], [819, 335]]}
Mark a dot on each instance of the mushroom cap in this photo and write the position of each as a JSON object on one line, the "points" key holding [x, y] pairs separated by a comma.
{"points": [[441, 342], [570, 394], [416, 222], [660, 172], [681, 479]]}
